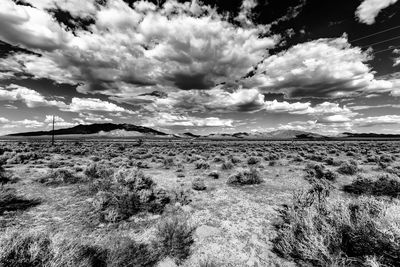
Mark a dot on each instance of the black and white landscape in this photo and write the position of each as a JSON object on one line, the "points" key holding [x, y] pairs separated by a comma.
{"points": [[199, 133]]}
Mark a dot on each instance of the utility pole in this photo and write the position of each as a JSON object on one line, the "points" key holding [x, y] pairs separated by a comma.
{"points": [[52, 134]]}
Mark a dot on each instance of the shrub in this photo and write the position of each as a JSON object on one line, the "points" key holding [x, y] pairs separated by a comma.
{"points": [[71, 250], [60, 176], [25, 249], [385, 185], [233, 159], [4, 178], [10, 201], [348, 168], [336, 232], [168, 162], [253, 161], [214, 174], [202, 165], [126, 252], [174, 237], [96, 171], [245, 177], [319, 171], [198, 184], [128, 193], [227, 166]]}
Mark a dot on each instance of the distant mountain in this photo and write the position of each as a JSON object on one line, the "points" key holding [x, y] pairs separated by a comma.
{"points": [[98, 128], [279, 134], [289, 134], [369, 135]]}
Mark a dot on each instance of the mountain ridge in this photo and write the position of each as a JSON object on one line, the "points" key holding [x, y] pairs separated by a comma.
{"points": [[94, 129]]}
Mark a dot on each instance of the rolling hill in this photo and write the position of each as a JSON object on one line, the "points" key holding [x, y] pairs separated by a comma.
{"points": [[96, 129]]}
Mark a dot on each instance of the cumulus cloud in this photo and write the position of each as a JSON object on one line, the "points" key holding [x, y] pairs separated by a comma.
{"points": [[245, 14], [31, 27], [167, 119], [93, 104], [30, 97], [377, 120], [397, 58], [369, 10], [58, 121], [320, 68], [3, 120], [140, 46], [33, 99], [88, 117]]}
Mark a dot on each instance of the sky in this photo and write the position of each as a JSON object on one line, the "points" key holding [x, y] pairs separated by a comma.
{"points": [[207, 66]]}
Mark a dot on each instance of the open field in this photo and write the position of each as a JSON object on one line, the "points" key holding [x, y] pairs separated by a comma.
{"points": [[200, 203]]}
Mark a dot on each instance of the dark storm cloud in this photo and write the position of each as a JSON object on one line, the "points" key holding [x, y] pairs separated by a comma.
{"points": [[189, 81]]}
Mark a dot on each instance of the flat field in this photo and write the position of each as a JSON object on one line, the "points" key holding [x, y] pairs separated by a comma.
{"points": [[200, 203]]}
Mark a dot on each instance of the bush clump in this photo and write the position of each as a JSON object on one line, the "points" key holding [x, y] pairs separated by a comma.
{"points": [[245, 177], [253, 161], [337, 232], [10, 201], [174, 237], [198, 184], [319, 172], [385, 185], [25, 249], [60, 176], [127, 193], [348, 168], [202, 164]]}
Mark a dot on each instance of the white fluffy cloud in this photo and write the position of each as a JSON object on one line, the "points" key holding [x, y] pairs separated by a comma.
{"points": [[321, 68], [33, 99], [30, 97], [369, 10], [93, 104], [166, 120], [377, 120], [185, 45], [30, 27]]}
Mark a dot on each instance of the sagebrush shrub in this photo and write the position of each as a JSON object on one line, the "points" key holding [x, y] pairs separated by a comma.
{"points": [[336, 232], [348, 168], [175, 237], [245, 177], [127, 193], [385, 185], [202, 164], [25, 249], [198, 184]]}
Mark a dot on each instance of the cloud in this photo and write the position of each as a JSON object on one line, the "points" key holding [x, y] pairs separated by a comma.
{"points": [[396, 59], [369, 10], [76, 8], [140, 46], [37, 67], [167, 120], [88, 117], [58, 121], [33, 99], [31, 27], [3, 120], [245, 13], [93, 104], [30, 97], [326, 108], [320, 68], [377, 120]]}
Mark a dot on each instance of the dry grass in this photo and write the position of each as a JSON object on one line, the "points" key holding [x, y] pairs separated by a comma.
{"points": [[110, 203]]}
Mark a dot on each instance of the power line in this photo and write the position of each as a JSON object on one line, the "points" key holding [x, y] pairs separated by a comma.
{"points": [[390, 48], [355, 40], [381, 42]]}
